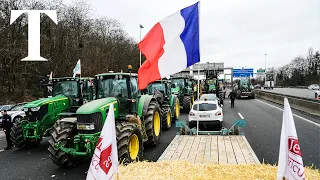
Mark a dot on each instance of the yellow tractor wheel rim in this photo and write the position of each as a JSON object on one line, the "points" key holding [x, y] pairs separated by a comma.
{"points": [[169, 119], [177, 110], [156, 123], [134, 147]]}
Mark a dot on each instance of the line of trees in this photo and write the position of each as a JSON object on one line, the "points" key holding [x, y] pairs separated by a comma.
{"points": [[101, 43], [301, 71]]}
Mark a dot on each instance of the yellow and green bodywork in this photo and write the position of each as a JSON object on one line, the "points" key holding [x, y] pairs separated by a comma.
{"points": [[94, 113], [184, 86], [43, 113]]}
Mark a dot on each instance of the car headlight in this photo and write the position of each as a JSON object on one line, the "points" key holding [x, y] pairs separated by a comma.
{"points": [[35, 109], [85, 126]]}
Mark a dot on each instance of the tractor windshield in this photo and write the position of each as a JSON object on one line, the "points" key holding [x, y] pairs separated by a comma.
{"points": [[112, 88], [178, 82], [153, 87], [67, 88]]}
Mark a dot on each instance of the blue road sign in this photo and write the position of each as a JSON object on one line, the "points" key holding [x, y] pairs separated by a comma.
{"points": [[248, 72]]}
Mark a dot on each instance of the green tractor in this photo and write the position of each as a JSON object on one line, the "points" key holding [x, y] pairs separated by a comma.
{"points": [[169, 103], [183, 87], [245, 89], [138, 122], [68, 94]]}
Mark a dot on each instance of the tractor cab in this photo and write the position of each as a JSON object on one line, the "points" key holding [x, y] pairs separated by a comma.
{"points": [[123, 87], [78, 90], [182, 84]]}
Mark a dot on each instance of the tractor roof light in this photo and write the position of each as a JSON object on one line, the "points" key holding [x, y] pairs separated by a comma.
{"points": [[129, 67]]}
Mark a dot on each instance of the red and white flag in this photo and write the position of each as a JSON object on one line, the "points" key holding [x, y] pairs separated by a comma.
{"points": [[290, 165], [104, 163]]}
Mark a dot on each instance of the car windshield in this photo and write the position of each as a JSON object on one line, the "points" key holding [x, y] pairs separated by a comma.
{"points": [[17, 108], [6, 107], [178, 82], [153, 87], [205, 107], [209, 97], [112, 87], [67, 88]]}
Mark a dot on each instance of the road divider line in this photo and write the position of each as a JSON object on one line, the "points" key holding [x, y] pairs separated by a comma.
{"points": [[1, 150], [307, 120], [240, 115]]}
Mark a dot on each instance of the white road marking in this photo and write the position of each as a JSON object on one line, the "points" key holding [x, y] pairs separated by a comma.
{"points": [[229, 101], [240, 115], [1, 150], [292, 113]]}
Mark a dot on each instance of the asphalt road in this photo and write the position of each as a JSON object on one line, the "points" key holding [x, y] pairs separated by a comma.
{"points": [[264, 121], [305, 93]]}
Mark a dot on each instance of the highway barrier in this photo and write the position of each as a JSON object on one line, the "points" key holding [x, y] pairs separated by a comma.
{"points": [[309, 106]]}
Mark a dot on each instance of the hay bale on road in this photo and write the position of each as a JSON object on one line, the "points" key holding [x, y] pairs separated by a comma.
{"points": [[183, 170]]}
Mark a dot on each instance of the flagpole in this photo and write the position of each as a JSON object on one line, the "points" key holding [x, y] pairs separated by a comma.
{"points": [[198, 74], [198, 97]]}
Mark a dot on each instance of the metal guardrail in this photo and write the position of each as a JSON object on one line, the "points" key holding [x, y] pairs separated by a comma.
{"points": [[285, 95]]}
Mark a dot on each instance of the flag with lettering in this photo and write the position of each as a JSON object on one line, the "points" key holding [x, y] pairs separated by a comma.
{"points": [[290, 165], [77, 69], [104, 163]]}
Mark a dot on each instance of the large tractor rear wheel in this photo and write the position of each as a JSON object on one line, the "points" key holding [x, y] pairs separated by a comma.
{"points": [[166, 117], [176, 108], [153, 124], [61, 132], [129, 142], [17, 136], [187, 103]]}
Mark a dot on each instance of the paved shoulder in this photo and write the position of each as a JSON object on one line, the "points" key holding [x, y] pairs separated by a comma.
{"points": [[264, 127]]}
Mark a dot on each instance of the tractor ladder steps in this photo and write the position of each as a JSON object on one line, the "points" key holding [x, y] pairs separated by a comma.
{"points": [[217, 149]]}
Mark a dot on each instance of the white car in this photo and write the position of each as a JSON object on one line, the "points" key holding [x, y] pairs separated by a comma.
{"points": [[317, 94], [314, 87], [209, 114], [15, 112]]}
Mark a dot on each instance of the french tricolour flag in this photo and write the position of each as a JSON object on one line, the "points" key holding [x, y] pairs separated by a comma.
{"points": [[170, 46]]}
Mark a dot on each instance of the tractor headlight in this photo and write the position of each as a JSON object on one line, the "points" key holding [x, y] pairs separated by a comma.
{"points": [[85, 126], [35, 109]]}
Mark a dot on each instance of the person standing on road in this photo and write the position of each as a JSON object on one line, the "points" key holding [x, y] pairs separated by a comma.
{"points": [[6, 125], [232, 96]]}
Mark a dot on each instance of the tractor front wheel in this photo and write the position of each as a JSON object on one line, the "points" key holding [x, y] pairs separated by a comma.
{"points": [[62, 131], [187, 103], [176, 108], [166, 117], [129, 142], [153, 124], [17, 136]]}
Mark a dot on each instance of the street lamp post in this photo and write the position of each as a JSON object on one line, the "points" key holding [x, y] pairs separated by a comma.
{"points": [[140, 41], [265, 69]]}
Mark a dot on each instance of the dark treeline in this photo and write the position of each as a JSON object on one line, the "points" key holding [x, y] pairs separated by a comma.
{"points": [[301, 71], [100, 43]]}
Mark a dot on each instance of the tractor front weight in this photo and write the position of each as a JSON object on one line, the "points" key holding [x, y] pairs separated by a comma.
{"points": [[88, 141], [31, 130]]}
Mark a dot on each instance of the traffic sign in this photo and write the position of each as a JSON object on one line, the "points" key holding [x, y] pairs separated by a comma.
{"points": [[261, 70], [248, 72]]}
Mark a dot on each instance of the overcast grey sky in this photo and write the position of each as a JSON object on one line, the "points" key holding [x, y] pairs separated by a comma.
{"points": [[236, 32]]}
